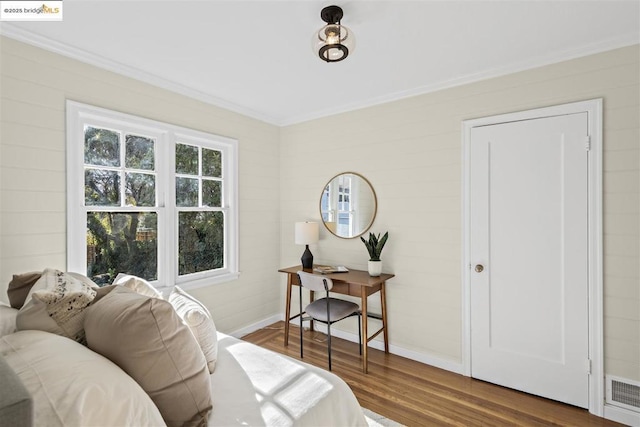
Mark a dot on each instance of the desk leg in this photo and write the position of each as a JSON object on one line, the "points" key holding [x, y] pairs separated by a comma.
{"points": [[365, 333], [383, 303], [287, 310]]}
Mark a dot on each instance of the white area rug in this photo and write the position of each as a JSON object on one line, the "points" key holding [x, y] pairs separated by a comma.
{"points": [[377, 420]]}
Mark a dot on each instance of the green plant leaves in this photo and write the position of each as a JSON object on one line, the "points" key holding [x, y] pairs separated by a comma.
{"points": [[375, 245]]}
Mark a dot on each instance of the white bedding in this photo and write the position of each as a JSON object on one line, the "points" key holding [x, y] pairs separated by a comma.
{"points": [[257, 387]]}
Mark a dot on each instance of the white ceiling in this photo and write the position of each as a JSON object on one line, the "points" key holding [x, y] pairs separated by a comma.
{"points": [[255, 57]]}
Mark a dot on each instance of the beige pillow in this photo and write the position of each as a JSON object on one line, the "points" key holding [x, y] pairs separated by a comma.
{"points": [[146, 338], [71, 385], [198, 319], [102, 292], [137, 284], [57, 306], [20, 286]]}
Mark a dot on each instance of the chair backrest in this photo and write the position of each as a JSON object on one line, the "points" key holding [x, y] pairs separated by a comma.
{"points": [[314, 282]]}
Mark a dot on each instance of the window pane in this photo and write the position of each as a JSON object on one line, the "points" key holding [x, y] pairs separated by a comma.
{"points": [[101, 147], [211, 163], [186, 192], [186, 159], [121, 243], [211, 191], [200, 241], [343, 224], [140, 189], [139, 153], [101, 188]]}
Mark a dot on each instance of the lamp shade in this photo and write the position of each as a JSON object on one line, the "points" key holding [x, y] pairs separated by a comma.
{"points": [[307, 233]]}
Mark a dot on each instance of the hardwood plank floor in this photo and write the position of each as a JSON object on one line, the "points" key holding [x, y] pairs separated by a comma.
{"points": [[416, 394]]}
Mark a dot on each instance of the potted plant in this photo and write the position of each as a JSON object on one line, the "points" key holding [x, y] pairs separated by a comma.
{"points": [[374, 246]]}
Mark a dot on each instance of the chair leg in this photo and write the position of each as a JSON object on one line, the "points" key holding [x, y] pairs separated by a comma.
{"points": [[329, 342], [360, 333], [328, 323], [301, 328]]}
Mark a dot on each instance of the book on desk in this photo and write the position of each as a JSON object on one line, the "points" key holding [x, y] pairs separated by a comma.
{"points": [[326, 269]]}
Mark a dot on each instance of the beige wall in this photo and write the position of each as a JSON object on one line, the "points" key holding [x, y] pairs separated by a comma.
{"points": [[34, 87], [410, 150]]}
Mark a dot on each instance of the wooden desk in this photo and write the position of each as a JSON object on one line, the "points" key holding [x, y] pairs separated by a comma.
{"points": [[356, 283]]}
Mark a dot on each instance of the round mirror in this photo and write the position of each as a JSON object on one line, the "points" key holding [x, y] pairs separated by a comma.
{"points": [[348, 205]]}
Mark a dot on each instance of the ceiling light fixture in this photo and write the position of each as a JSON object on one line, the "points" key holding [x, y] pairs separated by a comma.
{"points": [[333, 42]]}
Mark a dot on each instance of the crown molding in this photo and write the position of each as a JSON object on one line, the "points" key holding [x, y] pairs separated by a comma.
{"points": [[541, 61], [14, 32], [19, 34]]}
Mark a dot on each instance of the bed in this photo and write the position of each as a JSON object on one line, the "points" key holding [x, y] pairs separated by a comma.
{"points": [[66, 383]]}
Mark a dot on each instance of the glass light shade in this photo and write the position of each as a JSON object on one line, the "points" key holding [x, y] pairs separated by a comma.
{"points": [[307, 233], [334, 42]]}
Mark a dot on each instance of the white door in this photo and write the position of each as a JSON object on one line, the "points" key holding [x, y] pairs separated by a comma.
{"points": [[529, 256]]}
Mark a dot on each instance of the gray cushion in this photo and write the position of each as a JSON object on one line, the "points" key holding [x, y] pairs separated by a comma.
{"points": [[16, 405], [339, 309]]}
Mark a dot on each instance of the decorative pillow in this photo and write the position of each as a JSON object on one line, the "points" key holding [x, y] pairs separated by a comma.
{"points": [[145, 337], [198, 319], [20, 286], [83, 279], [72, 386], [58, 306], [137, 284], [102, 292], [7, 319]]}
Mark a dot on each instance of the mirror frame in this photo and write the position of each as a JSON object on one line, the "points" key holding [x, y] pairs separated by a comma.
{"points": [[375, 205]]}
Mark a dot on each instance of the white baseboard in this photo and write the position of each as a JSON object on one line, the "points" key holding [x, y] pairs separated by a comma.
{"points": [[621, 415], [239, 333], [437, 362]]}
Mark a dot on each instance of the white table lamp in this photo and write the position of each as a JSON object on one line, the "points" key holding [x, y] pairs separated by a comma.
{"points": [[307, 233]]}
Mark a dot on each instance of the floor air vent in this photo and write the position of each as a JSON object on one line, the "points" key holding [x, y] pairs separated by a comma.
{"points": [[623, 392]]}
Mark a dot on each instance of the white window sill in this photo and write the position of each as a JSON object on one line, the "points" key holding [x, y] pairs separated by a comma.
{"points": [[200, 283]]}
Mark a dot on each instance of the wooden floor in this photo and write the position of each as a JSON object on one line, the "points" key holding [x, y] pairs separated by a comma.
{"points": [[416, 394]]}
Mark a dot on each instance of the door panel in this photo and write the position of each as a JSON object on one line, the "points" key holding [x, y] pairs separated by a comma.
{"points": [[529, 308]]}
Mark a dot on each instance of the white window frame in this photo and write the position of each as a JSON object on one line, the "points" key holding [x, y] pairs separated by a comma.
{"points": [[166, 136]]}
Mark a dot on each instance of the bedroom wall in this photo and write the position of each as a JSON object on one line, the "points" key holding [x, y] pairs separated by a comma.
{"points": [[410, 150], [34, 87]]}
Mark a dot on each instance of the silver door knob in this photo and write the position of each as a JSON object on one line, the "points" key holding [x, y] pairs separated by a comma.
{"points": [[479, 268]]}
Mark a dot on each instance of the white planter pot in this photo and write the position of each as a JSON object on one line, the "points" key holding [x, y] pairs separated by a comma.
{"points": [[375, 268]]}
